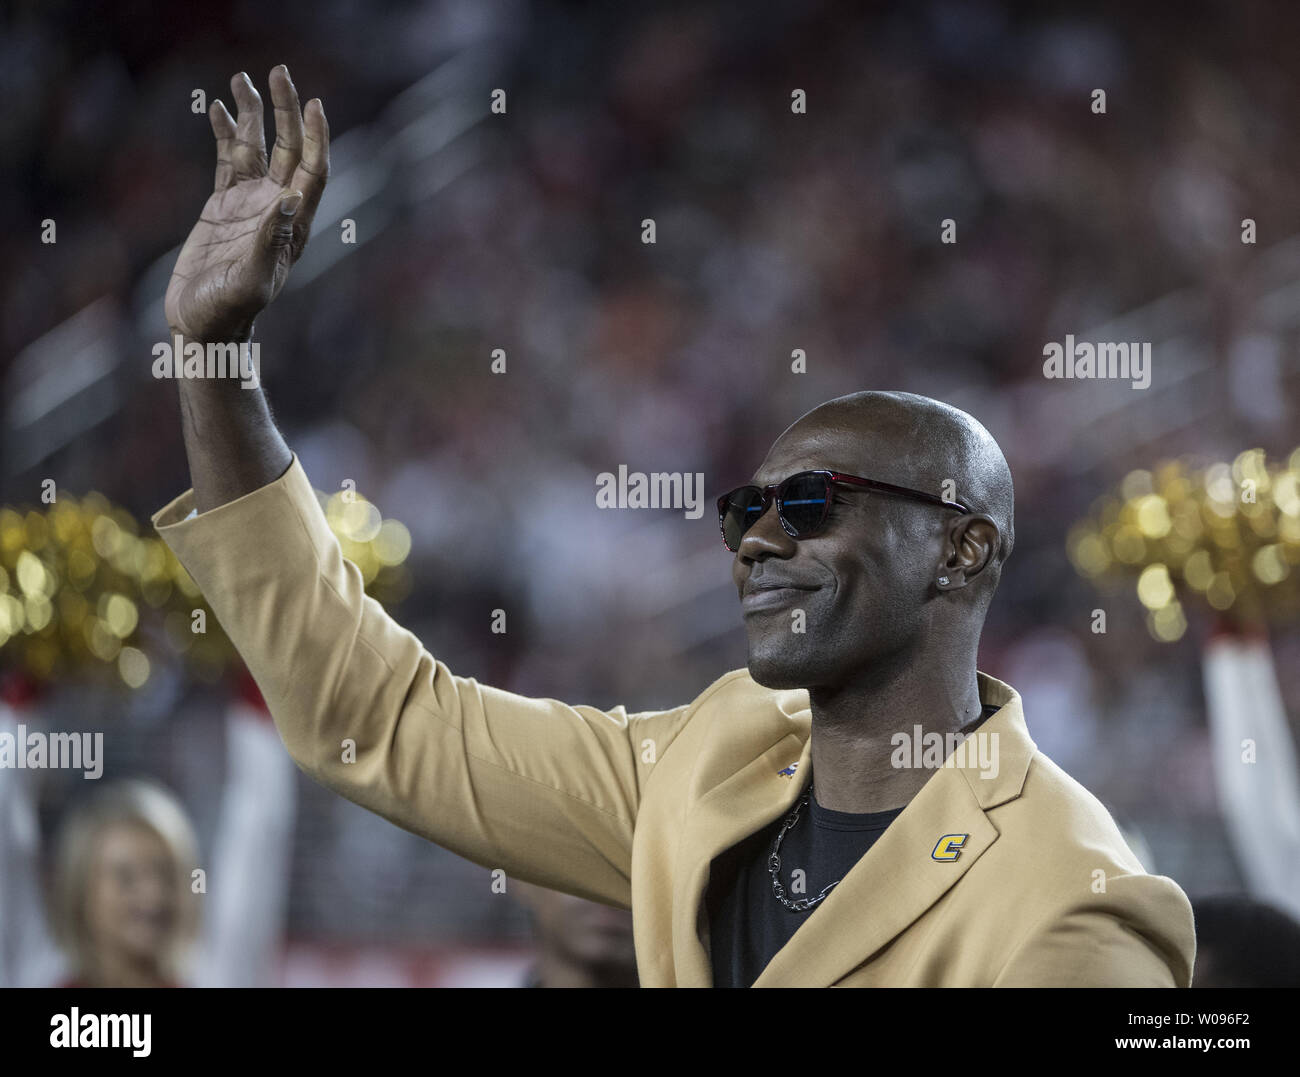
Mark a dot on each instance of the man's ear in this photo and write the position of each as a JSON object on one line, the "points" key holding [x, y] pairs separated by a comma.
{"points": [[971, 546]]}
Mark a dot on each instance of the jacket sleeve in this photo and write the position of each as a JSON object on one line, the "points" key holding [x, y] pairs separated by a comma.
{"points": [[546, 791], [1138, 934]]}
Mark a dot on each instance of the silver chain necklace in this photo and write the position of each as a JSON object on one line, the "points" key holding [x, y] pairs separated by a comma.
{"points": [[774, 860], [774, 864]]}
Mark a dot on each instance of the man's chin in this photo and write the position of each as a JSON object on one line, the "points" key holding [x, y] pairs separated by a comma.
{"points": [[777, 671]]}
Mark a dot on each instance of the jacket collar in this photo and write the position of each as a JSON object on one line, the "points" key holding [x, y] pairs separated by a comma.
{"points": [[890, 887]]}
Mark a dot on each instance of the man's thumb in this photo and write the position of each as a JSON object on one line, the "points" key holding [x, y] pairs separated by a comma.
{"points": [[279, 222]]}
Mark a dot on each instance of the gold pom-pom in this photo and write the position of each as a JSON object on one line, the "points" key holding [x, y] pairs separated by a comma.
{"points": [[83, 592], [1221, 535]]}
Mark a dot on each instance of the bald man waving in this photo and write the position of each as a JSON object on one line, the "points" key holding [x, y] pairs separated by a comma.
{"points": [[859, 807]]}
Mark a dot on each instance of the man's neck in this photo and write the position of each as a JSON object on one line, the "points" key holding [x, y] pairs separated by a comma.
{"points": [[854, 726]]}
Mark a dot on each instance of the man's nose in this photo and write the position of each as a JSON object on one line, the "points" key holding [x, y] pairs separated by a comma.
{"points": [[766, 538]]}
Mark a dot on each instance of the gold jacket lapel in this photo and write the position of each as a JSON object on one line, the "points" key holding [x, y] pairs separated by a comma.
{"points": [[725, 815], [900, 876], [887, 889]]}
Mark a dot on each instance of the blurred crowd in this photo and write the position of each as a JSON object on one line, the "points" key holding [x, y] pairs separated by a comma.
{"points": [[776, 230]]}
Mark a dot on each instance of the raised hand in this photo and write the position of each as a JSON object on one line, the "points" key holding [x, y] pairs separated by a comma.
{"points": [[256, 223]]}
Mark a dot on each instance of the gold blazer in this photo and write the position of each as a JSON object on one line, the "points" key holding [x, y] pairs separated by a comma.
{"points": [[630, 809]]}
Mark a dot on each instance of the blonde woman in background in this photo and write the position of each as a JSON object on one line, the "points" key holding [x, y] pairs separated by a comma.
{"points": [[122, 905], [123, 908]]}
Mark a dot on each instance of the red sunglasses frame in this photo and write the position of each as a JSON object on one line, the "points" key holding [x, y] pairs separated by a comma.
{"points": [[774, 492]]}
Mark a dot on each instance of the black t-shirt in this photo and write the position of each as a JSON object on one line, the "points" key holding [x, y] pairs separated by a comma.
{"points": [[747, 924]]}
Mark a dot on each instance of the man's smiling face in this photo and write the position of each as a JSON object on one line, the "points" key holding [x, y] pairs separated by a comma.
{"points": [[862, 582]]}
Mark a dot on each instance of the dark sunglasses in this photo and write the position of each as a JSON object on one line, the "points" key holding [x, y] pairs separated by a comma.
{"points": [[803, 502]]}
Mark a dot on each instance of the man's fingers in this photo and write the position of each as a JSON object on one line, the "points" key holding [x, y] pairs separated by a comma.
{"points": [[223, 126], [288, 126], [249, 153], [314, 168]]}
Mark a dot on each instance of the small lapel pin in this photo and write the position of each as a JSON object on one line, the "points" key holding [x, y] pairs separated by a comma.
{"points": [[949, 847], [788, 772]]}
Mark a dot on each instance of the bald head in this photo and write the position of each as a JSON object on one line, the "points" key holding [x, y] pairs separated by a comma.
{"points": [[915, 441]]}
